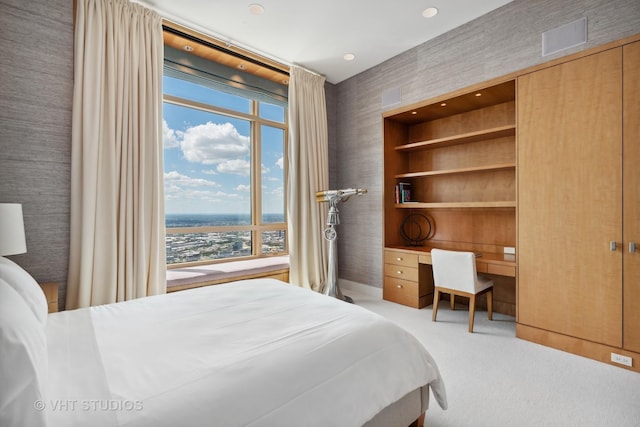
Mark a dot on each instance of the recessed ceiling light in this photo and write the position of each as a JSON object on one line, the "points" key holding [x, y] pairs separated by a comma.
{"points": [[414, 112], [241, 66], [430, 12], [444, 104], [478, 94], [285, 82], [188, 48], [349, 57], [256, 9]]}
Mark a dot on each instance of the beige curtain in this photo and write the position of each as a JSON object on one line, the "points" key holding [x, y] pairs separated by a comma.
{"points": [[117, 202], [308, 173]]}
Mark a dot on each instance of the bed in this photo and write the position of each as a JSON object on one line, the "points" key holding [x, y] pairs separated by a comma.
{"points": [[249, 353]]}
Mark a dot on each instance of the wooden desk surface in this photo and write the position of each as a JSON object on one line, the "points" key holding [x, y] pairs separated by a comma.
{"points": [[487, 262]]}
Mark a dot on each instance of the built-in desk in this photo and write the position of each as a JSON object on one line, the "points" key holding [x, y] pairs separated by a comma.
{"points": [[491, 263], [408, 278]]}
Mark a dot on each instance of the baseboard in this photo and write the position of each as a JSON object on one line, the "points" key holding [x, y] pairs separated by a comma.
{"points": [[371, 291], [580, 347]]}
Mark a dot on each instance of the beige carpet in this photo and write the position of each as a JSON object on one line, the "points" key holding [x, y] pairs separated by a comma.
{"points": [[494, 379]]}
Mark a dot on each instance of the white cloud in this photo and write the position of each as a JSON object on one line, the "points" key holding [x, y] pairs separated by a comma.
{"points": [[175, 179], [170, 138], [278, 192], [280, 162], [242, 187], [209, 172], [235, 166], [212, 143], [176, 193]]}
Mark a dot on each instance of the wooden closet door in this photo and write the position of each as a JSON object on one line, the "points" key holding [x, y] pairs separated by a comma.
{"points": [[569, 198], [631, 200]]}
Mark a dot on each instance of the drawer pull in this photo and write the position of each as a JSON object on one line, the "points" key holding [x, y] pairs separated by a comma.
{"points": [[399, 286], [399, 259]]}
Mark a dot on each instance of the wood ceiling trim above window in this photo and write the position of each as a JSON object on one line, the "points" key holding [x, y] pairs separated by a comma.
{"points": [[223, 53]]}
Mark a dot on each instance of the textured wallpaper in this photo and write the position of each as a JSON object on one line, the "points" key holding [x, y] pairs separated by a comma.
{"points": [[503, 41], [36, 89]]}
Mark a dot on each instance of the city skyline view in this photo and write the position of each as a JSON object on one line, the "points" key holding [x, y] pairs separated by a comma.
{"points": [[211, 245]]}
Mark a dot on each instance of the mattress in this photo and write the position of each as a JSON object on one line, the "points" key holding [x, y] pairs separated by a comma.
{"points": [[249, 353]]}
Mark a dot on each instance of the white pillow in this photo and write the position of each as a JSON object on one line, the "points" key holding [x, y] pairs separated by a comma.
{"points": [[23, 362], [26, 287]]}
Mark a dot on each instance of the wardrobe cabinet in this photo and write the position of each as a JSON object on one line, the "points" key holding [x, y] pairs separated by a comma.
{"points": [[631, 197], [579, 204]]}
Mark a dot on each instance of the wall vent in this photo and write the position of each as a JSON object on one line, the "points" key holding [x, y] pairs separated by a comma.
{"points": [[564, 37]]}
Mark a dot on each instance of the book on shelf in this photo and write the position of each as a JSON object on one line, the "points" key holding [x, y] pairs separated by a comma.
{"points": [[403, 192]]}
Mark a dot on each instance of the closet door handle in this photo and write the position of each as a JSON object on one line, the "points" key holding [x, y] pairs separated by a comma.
{"points": [[632, 247], [613, 246]]}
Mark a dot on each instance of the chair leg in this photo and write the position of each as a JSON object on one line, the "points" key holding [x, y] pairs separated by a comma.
{"points": [[472, 311], [436, 298], [452, 301], [490, 303]]}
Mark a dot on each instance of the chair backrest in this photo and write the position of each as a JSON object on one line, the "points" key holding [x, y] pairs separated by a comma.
{"points": [[454, 270]]}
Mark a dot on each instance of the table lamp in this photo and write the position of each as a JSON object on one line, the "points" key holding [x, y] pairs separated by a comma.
{"points": [[12, 238]]}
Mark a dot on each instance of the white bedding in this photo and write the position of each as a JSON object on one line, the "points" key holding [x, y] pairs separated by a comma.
{"points": [[250, 353]]}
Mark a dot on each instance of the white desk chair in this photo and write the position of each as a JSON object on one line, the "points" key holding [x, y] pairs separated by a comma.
{"points": [[455, 273]]}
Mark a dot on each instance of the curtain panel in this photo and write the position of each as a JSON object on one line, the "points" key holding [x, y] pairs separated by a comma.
{"points": [[117, 200], [308, 173]]}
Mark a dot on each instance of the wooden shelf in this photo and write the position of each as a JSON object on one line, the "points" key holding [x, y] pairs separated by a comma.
{"points": [[444, 205], [460, 159], [465, 138], [458, 171]]}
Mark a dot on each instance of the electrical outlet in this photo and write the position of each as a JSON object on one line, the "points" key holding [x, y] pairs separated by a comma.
{"points": [[623, 360], [509, 250]]}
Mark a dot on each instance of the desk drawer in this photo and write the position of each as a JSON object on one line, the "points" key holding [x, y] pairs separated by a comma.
{"points": [[400, 258], [401, 291], [401, 272], [502, 270]]}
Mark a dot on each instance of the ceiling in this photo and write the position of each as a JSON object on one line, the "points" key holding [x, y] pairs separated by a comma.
{"points": [[317, 34]]}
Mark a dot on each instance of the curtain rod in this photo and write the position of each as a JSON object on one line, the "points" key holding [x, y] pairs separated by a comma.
{"points": [[309, 71]]}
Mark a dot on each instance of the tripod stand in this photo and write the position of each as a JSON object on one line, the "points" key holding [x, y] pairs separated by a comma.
{"points": [[334, 197]]}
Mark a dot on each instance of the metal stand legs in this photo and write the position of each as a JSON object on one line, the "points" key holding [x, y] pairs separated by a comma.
{"points": [[331, 235], [331, 287]]}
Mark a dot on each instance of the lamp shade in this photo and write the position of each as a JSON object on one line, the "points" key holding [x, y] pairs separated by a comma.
{"points": [[12, 239]]}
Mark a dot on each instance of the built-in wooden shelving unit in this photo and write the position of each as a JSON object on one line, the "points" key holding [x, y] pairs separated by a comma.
{"points": [[458, 154]]}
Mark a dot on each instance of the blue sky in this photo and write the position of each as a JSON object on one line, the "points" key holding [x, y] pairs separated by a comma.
{"points": [[207, 156]]}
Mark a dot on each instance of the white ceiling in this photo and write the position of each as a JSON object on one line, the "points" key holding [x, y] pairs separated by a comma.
{"points": [[317, 34]]}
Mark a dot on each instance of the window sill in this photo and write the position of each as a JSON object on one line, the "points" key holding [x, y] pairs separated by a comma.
{"points": [[203, 275]]}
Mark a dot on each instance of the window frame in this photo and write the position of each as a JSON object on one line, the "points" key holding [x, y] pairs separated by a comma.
{"points": [[257, 227]]}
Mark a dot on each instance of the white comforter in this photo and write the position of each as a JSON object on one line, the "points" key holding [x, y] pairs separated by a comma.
{"points": [[249, 353]]}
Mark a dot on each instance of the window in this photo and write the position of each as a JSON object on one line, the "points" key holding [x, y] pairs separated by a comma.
{"points": [[224, 172]]}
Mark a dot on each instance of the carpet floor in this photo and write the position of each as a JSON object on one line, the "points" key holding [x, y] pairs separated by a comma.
{"points": [[495, 379]]}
